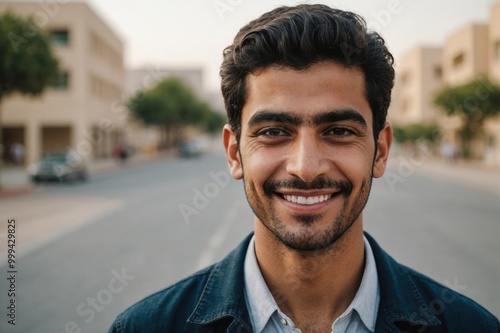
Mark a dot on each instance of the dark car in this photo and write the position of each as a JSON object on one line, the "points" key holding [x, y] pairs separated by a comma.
{"points": [[63, 166]]}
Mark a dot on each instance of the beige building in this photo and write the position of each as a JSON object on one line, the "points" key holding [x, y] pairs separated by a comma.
{"points": [[148, 77], [494, 41], [465, 57], [492, 154], [418, 76], [84, 111], [469, 52], [465, 54]]}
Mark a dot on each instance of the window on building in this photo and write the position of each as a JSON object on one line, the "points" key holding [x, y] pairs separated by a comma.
{"points": [[405, 106], [497, 50], [62, 81], [458, 60], [405, 78], [60, 37], [438, 72]]}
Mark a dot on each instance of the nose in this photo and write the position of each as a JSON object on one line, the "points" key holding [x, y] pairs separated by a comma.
{"points": [[308, 159]]}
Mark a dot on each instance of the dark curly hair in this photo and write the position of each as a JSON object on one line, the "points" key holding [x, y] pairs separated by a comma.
{"points": [[298, 37]]}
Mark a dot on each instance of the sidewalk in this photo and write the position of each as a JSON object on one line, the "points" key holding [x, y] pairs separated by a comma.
{"points": [[16, 181], [473, 175]]}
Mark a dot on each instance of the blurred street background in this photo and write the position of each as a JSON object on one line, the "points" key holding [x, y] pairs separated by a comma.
{"points": [[134, 222], [112, 168]]}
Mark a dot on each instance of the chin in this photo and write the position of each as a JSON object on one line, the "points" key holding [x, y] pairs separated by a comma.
{"points": [[309, 236]]}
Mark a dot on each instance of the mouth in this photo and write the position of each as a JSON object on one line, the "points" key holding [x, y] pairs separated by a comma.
{"points": [[317, 197], [303, 203], [307, 200]]}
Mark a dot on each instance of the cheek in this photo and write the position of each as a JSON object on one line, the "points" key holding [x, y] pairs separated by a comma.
{"points": [[354, 159], [262, 164], [354, 166], [258, 172]]}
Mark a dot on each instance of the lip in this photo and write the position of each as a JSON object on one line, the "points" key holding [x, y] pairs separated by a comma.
{"points": [[306, 193]]}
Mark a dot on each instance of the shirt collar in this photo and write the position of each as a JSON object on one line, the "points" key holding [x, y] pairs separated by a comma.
{"points": [[262, 305], [260, 302], [367, 298]]}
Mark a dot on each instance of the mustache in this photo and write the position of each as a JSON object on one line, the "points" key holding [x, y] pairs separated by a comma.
{"points": [[271, 186]]}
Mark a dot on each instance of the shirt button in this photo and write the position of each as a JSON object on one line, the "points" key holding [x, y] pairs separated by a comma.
{"points": [[284, 322]]}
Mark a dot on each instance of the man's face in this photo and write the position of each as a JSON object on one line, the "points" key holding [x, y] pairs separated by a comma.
{"points": [[307, 153]]}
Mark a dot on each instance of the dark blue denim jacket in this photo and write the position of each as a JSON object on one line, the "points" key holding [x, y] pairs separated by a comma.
{"points": [[212, 300]]}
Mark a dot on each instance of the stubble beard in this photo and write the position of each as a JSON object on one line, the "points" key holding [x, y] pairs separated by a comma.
{"points": [[305, 239]]}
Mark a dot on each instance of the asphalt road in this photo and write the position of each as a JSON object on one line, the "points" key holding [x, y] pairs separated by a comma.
{"points": [[144, 227]]}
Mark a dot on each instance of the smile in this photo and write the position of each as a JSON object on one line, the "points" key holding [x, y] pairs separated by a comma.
{"points": [[302, 200]]}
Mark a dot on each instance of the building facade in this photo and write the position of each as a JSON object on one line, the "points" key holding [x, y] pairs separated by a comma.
{"points": [[418, 75], [465, 57], [84, 111], [492, 154], [494, 41], [470, 52], [465, 54]]}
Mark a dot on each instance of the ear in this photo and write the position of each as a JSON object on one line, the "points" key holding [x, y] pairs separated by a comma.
{"points": [[383, 146], [232, 153]]}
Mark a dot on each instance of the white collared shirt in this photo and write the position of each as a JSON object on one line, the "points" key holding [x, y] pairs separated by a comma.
{"points": [[360, 316]]}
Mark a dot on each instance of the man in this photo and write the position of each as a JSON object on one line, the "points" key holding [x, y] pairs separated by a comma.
{"points": [[306, 90]]}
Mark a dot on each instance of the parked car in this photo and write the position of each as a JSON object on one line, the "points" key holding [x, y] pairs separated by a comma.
{"points": [[189, 149], [194, 147], [60, 166]]}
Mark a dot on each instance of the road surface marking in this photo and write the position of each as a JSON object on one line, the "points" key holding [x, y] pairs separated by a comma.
{"points": [[207, 255]]}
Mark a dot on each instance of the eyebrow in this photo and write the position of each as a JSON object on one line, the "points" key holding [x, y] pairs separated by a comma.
{"points": [[339, 115], [266, 116]]}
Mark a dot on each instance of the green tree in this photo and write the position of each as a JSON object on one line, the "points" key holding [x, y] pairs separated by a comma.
{"points": [[416, 132], [474, 102], [215, 122], [172, 105], [211, 120], [27, 63]]}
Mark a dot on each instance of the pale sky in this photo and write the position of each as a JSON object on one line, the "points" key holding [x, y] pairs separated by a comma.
{"points": [[194, 32]]}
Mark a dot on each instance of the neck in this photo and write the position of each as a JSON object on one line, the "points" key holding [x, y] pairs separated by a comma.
{"points": [[312, 285]]}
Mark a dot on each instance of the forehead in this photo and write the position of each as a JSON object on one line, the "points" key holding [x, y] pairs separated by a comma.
{"points": [[322, 87]]}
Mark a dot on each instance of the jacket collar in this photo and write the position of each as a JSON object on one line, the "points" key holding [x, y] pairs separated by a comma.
{"points": [[223, 296], [400, 300]]}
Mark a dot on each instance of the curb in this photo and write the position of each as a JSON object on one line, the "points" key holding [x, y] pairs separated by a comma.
{"points": [[15, 191]]}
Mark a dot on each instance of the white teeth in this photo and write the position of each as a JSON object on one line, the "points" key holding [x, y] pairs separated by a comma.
{"points": [[307, 200]]}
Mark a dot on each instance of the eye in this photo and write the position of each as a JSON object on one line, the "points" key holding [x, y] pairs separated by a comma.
{"points": [[340, 132], [272, 132]]}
